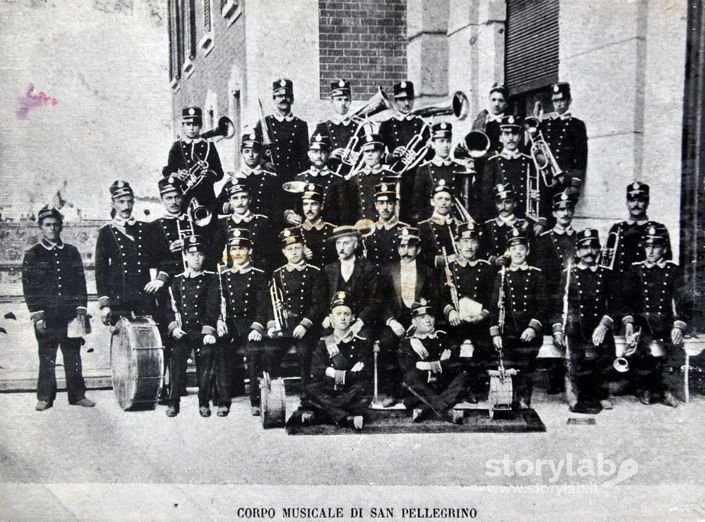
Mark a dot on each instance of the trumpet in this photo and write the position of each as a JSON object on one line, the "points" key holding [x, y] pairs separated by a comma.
{"points": [[280, 315], [417, 149], [608, 254], [544, 160]]}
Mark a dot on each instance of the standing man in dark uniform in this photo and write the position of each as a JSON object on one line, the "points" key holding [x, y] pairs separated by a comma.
{"points": [[438, 231], [494, 232], [382, 245], [191, 157], [245, 292], [124, 253], [588, 327], [54, 286], [315, 231], [340, 127], [289, 134], [488, 120], [567, 138], [628, 234], [520, 293], [655, 303], [396, 133]]}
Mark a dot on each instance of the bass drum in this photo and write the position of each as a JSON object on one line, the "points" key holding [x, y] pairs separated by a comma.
{"points": [[273, 402], [137, 363]]}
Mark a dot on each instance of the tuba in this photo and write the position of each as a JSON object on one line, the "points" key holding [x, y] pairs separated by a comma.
{"points": [[417, 149]]}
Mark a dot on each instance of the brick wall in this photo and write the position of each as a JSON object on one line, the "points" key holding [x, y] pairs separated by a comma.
{"points": [[363, 41]]}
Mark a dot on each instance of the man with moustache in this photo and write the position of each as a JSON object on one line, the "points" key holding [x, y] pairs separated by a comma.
{"points": [[489, 119], [382, 245], [315, 231], [494, 232], [339, 128], [438, 231]]}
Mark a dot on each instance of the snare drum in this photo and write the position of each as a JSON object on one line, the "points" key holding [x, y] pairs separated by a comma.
{"points": [[137, 363]]}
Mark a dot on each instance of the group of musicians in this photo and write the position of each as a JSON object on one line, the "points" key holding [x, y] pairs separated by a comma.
{"points": [[446, 261]]}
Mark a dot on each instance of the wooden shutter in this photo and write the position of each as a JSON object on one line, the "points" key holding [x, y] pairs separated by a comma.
{"points": [[531, 44]]}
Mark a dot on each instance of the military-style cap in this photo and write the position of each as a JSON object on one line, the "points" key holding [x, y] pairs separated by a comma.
{"points": [[320, 142], [637, 189], [289, 236], [343, 231], [341, 299], [420, 307], [312, 191], [467, 231], [372, 141], [239, 185], [655, 233], [404, 89], [239, 237], [564, 199], [168, 185], [282, 86], [442, 130], [588, 237], [510, 122], [503, 191], [120, 188], [194, 243], [497, 87], [441, 186], [407, 234], [191, 113], [517, 237], [340, 88], [250, 139], [560, 91], [49, 211], [385, 192]]}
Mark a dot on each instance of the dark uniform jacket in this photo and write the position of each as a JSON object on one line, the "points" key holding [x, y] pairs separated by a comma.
{"points": [[166, 231], [494, 234], [289, 145], [197, 299], [655, 299], [436, 234], [304, 291], [567, 138], [339, 133], [265, 252], [525, 302], [332, 185], [122, 263], [553, 248], [359, 194], [474, 279], [382, 245], [430, 173], [266, 193], [184, 154], [246, 300], [341, 355], [361, 287], [490, 126], [590, 301], [629, 249], [434, 344], [316, 238], [393, 306], [53, 282]]}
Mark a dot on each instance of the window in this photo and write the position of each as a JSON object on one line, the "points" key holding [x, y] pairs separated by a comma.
{"points": [[206, 42], [189, 31], [230, 9], [175, 42]]}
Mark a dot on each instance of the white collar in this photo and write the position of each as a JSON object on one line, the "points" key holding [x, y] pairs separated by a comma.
{"points": [[242, 269], [631, 221], [659, 264], [430, 335], [493, 117], [179, 216], [298, 266], [510, 155], [239, 218], [440, 162], [561, 231], [465, 262], [189, 274], [119, 222], [51, 246], [523, 267], [442, 220], [280, 118], [318, 225], [348, 336], [388, 225], [191, 140], [583, 266], [344, 119], [507, 222], [372, 170], [349, 262], [316, 172]]}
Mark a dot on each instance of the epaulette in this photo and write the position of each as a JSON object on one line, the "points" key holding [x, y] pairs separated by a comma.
{"points": [[313, 266], [545, 233], [260, 216], [425, 163], [182, 274], [359, 337], [208, 272], [335, 174], [535, 268], [487, 222], [268, 173], [255, 269], [484, 261], [637, 263], [424, 221], [497, 155], [669, 262], [401, 223], [521, 154]]}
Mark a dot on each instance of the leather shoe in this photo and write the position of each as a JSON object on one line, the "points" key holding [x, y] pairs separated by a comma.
{"points": [[645, 397], [389, 402], [86, 403], [307, 417], [255, 411], [456, 416], [523, 405], [171, 411], [606, 404], [204, 411], [417, 415], [43, 405], [223, 411], [355, 422], [670, 400]]}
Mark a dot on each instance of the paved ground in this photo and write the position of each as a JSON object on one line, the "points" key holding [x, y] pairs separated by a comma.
{"points": [[103, 463]]}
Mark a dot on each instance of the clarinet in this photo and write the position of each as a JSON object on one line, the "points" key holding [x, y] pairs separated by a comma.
{"points": [[451, 283], [500, 301]]}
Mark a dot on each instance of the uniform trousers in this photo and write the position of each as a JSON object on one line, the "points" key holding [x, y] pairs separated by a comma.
{"points": [[277, 348], [337, 405], [49, 342], [522, 357], [211, 364], [477, 365], [650, 372], [441, 394], [589, 366]]}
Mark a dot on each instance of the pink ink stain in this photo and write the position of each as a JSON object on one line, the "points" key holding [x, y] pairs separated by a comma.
{"points": [[30, 101]]}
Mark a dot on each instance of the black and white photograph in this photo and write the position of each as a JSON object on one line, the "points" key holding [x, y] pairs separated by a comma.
{"points": [[352, 260]]}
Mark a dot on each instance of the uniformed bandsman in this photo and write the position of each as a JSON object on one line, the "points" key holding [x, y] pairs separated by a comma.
{"points": [[588, 327], [489, 119], [466, 298], [566, 136], [655, 304], [303, 290], [317, 249], [382, 245], [339, 388], [54, 287], [438, 231], [494, 232], [288, 133], [340, 127], [441, 167], [262, 236], [396, 133], [196, 301], [431, 369], [628, 234], [519, 292], [266, 194], [124, 253], [191, 154], [245, 292], [330, 183], [511, 166]]}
